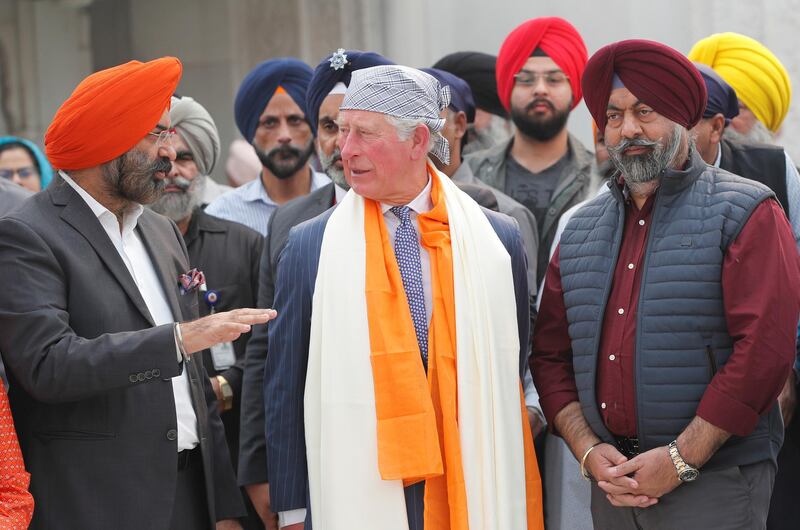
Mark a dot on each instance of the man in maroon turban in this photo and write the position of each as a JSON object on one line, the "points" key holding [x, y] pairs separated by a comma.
{"points": [[652, 355], [542, 166]]}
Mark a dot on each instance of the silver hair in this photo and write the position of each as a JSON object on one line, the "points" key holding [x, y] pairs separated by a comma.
{"points": [[405, 128], [758, 134]]}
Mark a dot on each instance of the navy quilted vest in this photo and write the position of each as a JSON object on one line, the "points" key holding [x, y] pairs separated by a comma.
{"points": [[681, 333]]}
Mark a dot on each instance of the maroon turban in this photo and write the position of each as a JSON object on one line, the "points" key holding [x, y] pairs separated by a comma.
{"points": [[655, 73], [554, 36]]}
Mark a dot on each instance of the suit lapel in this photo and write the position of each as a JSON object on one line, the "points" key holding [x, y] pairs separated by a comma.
{"points": [[78, 214], [161, 253]]}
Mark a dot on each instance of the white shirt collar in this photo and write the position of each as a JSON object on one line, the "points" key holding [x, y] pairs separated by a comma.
{"points": [[130, 217], [718, 161], [422, 203]]}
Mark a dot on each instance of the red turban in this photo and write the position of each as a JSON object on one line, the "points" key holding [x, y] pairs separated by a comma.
{"points": [[110, 111], [655, 73], [554, 36]]}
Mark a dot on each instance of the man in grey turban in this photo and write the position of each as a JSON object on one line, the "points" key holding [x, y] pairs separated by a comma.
{"points": [[199, 132], [227, 253], [372, 294]]}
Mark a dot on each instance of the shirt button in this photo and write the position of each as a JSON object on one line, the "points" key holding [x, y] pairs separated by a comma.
{"points": [[612, 357], [602, 405], [641, 222], [621, 311], [630, 265]]}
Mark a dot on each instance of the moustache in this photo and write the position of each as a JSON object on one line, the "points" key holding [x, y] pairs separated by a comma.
{"points": [[539, 101], [162, 165], [284, 151], [179, 182], [625, 143]]}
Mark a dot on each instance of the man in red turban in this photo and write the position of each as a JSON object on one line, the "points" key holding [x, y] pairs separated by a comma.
{"points": [[651, 353], [542, 166], [98, 324]]}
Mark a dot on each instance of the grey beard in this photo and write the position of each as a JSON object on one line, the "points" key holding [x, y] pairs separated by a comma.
{"points": [[498, 131], [131, 176], [758, 134], [330, 169], [178, 206], [639, 169]]}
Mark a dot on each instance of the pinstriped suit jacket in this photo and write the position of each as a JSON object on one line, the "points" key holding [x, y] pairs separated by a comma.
{"points": [[285, 371]]}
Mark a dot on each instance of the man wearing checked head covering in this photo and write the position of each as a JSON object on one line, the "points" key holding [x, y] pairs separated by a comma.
{"points": [[406, 275], [651, 354], [539, 69], [98, 338], [758, 77], [270, 112]]}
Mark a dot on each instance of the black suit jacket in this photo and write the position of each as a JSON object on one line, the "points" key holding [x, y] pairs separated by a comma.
{"points": [[252, 445], [90, 372], [228, 253]]}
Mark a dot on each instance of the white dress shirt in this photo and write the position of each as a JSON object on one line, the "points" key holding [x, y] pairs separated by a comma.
{"points": [[137, 260], [421, 204]]}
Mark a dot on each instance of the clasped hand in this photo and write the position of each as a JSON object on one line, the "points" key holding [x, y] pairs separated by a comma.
{"points": [[638, 482]]}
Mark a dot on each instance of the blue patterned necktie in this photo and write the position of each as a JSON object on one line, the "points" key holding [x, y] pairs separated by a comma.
{"points": [[406, 250]]}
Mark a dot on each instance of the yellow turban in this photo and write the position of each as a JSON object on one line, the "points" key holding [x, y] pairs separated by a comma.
{"points": [[758, 77]]}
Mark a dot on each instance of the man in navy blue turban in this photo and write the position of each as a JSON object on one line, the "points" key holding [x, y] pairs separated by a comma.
{"points": [[270, 111], [325, 93]]}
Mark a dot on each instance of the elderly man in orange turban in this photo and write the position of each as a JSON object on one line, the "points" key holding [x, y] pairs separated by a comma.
{"points": [[98, 324]]}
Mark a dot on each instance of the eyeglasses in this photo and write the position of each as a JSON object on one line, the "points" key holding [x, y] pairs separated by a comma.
{"points": [[163, 137], [23, 172], [551, 79]]}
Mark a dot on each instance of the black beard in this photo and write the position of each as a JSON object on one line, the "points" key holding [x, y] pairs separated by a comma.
{"points": [[286, 160], [132, 176], [539, 129]]}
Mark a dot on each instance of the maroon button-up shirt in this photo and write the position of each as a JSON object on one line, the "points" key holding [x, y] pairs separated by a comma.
{"points": [[761, 292]]}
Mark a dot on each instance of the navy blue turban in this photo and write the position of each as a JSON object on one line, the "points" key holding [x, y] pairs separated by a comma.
{"points": [[336, 68], [460, 94], [261, 83], [722, 97]]}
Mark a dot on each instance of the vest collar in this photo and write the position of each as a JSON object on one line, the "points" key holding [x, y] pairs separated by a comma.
{"points": [[674, 181]]}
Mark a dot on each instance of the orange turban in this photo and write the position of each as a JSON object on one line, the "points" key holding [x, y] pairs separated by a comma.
{"points": [[110, 111]]}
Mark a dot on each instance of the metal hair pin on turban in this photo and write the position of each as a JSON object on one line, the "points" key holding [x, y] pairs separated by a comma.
{"points": [[401, 92]]}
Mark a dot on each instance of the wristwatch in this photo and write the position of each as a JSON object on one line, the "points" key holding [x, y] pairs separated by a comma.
{"points": [[227, 393], [686, 473]]}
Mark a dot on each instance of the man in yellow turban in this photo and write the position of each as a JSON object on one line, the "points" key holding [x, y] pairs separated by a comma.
{"points": [[757, 76]]}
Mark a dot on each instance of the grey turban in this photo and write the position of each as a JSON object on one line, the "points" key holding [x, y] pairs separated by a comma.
{"points": [[404, 93], [198, 130]]}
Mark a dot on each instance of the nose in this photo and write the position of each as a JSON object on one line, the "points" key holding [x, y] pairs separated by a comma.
{"points": [[346, 146], [540, 86], [630, 126], [168, 151], [284, 134], [15, 178]]}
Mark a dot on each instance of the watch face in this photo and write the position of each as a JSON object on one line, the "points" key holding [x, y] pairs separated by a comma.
{"points": [[688, 475]]}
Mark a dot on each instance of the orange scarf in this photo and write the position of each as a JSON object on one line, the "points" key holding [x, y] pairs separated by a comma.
{"points": [[417, 419]]}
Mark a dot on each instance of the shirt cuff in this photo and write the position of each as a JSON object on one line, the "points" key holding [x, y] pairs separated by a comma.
{"points": [[553, 403], [291, 517], [727, 413]]}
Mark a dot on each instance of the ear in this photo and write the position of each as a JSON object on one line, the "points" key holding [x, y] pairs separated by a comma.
{"points": [[717, 128], [460, 124], [419, 142]]}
